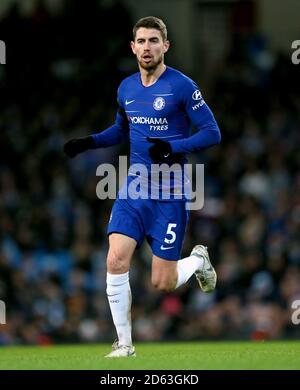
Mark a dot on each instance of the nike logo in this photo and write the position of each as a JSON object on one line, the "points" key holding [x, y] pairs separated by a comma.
{"points": [[113, 295], [166, 155], [164, 249], [128, 102]]}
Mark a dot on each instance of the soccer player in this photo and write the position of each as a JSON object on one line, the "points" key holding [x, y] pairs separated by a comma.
{"points": [[157, 107]]}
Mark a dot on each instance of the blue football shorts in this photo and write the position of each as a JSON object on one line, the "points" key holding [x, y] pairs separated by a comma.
{"points": [[162, 223]]}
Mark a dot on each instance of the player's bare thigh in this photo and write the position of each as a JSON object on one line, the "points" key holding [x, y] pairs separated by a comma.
{"points": [[164, 273], [120, 251]]}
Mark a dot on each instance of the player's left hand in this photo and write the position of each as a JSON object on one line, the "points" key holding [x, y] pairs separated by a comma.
{"points": [[160, 150]]}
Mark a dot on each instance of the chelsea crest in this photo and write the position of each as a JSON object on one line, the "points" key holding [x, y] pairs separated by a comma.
{"points": [[159, 103]]}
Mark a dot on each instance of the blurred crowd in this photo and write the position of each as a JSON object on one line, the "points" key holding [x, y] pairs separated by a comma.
{"points": [[60, 81]]}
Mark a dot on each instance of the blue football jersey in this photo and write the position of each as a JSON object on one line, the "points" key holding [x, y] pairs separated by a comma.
{"points": [[167, 110]]}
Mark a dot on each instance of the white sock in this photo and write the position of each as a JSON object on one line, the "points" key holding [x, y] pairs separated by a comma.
{"points": [[186, 267], [119, 298]]}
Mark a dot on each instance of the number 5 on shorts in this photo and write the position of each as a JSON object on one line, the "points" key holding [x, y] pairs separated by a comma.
{"points": [[171, 233]]}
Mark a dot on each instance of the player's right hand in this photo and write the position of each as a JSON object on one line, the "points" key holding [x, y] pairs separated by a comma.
{"points": [[78, 145]]}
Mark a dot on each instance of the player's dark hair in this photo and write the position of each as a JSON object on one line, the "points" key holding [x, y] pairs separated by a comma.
{"points": [[151, 22]]}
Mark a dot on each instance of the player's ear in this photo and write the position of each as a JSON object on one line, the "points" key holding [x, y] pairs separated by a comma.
{"points": [[132, 45], [166, 45]]}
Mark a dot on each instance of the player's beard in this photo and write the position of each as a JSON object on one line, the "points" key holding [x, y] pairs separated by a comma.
{"points": [[151, 66]]}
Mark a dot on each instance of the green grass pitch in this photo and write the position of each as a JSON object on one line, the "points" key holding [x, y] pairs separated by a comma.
{"points": [[277, 355]]}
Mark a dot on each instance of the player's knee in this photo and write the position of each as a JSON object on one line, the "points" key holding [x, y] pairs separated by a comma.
{"points": [[164, 285], [116, 263]]}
